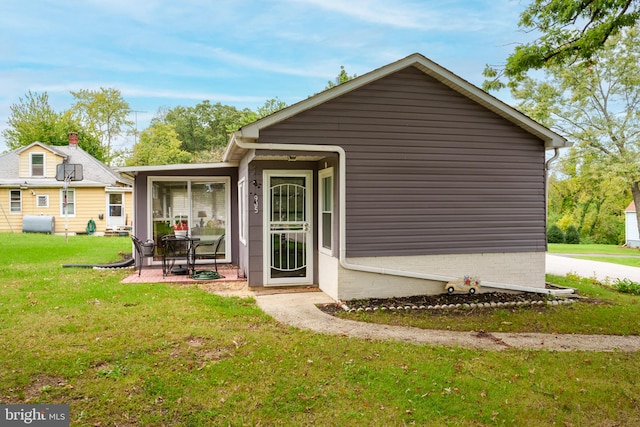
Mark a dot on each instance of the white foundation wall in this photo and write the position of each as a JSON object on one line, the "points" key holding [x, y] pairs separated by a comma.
{"points": [[524, 269], [328, 274]]}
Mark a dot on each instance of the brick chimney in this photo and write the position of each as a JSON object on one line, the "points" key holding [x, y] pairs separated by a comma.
{"points": [[73, 139]]}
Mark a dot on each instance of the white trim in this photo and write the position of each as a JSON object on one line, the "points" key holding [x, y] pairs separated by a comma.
{"points": [[266, 240], [11, 211], [324, 174], [243, 212], [44, 164], [75, 206], [173, 167], [45, 198]]}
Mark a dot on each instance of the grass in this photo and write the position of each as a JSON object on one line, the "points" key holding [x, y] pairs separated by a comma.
{"points": [[156, 354], [605, 311], [564, 248]]}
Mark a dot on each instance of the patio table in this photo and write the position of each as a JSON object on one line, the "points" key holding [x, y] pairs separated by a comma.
{"points": [[176, 251]]}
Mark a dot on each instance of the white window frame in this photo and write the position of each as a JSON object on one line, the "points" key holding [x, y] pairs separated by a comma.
{"points": [[243, 216], [71, 196], [11, 202], [45, 198], [226, 180], [44, 164], [322, 175]]}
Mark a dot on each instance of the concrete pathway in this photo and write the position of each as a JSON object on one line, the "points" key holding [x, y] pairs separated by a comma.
{"points": [[300, 310], [605, 272]]}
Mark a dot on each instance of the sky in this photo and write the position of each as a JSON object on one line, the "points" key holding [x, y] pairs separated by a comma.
{"points": [[163, 54]]}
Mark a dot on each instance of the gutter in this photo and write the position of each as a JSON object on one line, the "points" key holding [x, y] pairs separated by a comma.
{"points": [[236, 139]]}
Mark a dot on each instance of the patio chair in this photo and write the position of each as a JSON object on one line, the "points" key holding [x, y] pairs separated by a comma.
{"points": [[175, 251], [207, 250], [143, 250]]}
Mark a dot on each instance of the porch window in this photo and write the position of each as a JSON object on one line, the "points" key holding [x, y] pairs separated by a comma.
{"points": [[202, 203], [326, 209], [15, 201], [68, 203], [37, 164]]}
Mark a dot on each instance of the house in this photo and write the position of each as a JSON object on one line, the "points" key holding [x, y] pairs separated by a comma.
{"points": [[632, 237], [100, 202], [390, 184]]}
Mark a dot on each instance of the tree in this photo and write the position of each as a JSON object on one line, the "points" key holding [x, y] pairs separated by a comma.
{"points": [[105, 113], [596, 105], [555, 234], [342, 77], [572, 236], [158, 145], [205, 126], [571, 31], [33, 119]]}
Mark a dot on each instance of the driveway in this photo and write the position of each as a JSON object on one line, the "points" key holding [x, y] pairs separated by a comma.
{"points": [[604, 272]]}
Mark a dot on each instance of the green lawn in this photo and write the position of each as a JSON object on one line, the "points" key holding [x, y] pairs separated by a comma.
{"points": [[563, 248], [610, 253], [156, 354]]}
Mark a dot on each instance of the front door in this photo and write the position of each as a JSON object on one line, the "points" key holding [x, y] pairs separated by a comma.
{"points": [[288, 249]]}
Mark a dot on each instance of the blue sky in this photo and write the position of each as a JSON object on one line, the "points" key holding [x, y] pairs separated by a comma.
{"points": [[238, 52]]}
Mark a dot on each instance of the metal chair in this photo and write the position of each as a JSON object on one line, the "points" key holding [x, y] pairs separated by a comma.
{"points": [[175, 250], [143, 250], [205, 249]]}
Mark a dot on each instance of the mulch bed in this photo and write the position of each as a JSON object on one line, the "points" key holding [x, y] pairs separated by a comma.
{"points": [[431, 301]]}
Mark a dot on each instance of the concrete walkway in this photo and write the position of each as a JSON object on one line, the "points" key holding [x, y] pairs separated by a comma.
{"points": [[300, 310]]}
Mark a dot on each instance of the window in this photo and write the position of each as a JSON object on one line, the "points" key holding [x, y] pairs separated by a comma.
{"points": [[115, 204], [37, 164], [242, 210], [326, 209], [202, 203], [15, 201], [68, 208], [42, 201]]}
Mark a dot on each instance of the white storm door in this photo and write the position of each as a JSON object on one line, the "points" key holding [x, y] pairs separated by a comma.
{"points": [[288, 246]]}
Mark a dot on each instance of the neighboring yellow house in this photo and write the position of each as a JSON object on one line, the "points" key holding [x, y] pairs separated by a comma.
{"points": [[30, 194]]}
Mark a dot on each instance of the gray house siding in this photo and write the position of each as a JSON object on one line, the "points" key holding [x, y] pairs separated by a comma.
{"points": [[428, 170]]}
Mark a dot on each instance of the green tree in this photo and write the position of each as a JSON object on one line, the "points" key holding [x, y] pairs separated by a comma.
{"points": [[205, 126], [596, 105], [105, 113], [342, 77], [33, 119], [571, 31], [555, 234], [572, 236], [158, 145]]}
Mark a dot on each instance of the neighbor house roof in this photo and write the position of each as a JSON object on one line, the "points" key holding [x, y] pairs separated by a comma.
{"points": [[95, 173], [251, 131]]}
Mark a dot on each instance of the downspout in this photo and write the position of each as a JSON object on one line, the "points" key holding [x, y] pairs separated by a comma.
{"points": [[547, 165], [342, 160]]}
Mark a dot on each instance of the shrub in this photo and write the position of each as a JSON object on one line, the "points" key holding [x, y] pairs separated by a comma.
{"points": [[572, 236], [555, 234], [626, 286]]}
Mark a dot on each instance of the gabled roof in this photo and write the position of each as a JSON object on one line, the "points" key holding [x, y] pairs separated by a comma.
{"points": [[95, 173], [251, 131]]}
